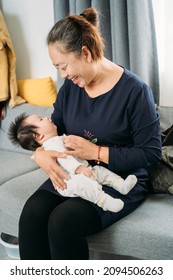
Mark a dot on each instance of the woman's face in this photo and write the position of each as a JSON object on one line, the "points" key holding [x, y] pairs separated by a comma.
{"points": [[80, 70]]}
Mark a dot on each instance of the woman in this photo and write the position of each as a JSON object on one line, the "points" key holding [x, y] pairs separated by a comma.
{"points": [[102, 102]]}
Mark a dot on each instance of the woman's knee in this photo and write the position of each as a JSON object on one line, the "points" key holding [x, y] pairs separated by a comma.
{"points": [[74, 217], [62, 219], [38, 207]]}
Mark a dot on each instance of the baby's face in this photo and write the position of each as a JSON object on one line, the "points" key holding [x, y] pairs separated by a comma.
{"points": [[44, 124]]}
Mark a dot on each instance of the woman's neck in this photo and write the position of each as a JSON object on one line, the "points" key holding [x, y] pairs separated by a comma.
{"points": [[107, 75]]}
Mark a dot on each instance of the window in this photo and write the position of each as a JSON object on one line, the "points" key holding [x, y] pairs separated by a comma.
{"points": [[164, 34]]}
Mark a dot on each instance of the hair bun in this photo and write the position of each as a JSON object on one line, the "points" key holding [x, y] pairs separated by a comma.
{"points": [[91, 15]]}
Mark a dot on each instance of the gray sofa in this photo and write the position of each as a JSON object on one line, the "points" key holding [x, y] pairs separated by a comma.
{"points": [[146, 233]]}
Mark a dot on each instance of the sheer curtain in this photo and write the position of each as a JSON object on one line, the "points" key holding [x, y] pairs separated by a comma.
{"points": [[129, 32], [164, 33]]}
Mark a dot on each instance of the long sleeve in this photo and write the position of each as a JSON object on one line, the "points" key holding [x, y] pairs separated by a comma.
{"points": [[144, 150]]}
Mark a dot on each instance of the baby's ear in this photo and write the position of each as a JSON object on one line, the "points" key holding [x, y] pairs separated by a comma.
{"points": [[38, 136]]}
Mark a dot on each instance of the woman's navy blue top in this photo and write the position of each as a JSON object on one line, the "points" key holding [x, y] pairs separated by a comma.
{"points": [[125, 120]]}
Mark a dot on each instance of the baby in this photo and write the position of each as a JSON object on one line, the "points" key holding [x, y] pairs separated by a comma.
{"points": [[32, 131]]}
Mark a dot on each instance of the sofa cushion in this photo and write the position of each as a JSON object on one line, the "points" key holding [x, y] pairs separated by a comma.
{"points": [[13, 164], [145, 234], [13, 195], [11, 113], [40, 91]]}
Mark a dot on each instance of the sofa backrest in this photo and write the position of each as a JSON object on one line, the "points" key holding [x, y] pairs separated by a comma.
{"points": [[166, 117]]}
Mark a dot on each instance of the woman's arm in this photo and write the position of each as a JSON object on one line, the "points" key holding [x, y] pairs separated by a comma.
{"points": [[145, 148], [144, 153], [47, 160]]}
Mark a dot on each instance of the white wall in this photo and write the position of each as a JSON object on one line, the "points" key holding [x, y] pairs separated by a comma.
{"points": [[28, 23]]}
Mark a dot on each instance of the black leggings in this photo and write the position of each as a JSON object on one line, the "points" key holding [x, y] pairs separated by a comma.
{"points": [[52, 227]]}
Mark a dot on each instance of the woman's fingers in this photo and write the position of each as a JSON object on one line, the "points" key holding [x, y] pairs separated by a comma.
{"points": [[57, 177], [80, 147], [47, 160]]}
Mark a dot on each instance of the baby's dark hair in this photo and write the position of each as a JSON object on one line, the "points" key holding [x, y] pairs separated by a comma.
{"points": [[21, 133]]}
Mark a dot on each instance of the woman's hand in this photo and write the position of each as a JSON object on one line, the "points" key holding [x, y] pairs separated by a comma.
{"points": [[47, 160], [80, 147]]}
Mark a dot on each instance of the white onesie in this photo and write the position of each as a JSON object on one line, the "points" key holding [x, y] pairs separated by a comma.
{"points": [[86, 187]]}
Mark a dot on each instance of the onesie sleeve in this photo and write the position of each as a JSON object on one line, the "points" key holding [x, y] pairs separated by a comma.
{"points": [[69, 163]]}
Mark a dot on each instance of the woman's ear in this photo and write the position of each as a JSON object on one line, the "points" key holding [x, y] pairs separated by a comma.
{"points": [[86, 54]]}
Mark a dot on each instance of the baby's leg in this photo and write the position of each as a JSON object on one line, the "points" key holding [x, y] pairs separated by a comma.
{"points": [[105, 176], [91, 190], [124, 186]]}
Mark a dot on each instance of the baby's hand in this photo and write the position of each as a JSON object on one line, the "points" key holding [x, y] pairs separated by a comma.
{"points": [[84, 170]]}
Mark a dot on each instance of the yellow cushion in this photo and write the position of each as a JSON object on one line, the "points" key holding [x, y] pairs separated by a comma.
{"points": [[40, 91]]}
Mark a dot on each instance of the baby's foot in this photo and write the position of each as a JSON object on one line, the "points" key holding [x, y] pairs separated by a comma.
{"points": [[109, 203]]}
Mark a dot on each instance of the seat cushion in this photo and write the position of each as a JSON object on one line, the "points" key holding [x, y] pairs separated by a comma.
{"points": [[147, 233]]}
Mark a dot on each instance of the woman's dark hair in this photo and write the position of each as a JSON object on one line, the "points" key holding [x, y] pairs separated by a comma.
{"points": [[21, 133], [73, 32]]}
